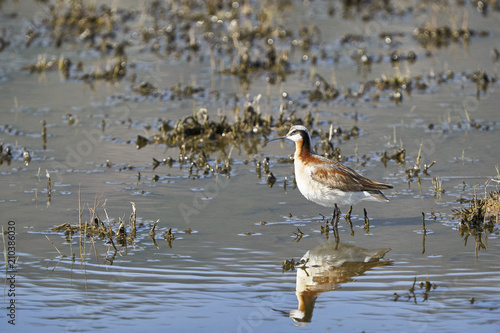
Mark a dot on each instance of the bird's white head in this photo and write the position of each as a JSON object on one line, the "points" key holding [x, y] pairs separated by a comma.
{"points": [[297, 132], [300, 135]]}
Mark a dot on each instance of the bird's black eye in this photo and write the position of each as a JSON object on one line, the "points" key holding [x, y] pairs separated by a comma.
{"points": [[293, 132]]}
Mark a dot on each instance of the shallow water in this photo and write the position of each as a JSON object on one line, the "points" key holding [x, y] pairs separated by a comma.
{"points": [[226, 275]]}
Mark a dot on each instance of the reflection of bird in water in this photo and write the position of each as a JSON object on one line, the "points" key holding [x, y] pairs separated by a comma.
{"points": [[325, 267], [327, 182]]}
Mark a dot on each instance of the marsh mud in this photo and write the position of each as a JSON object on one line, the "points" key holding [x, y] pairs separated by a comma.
{"points": [[135, 169]]}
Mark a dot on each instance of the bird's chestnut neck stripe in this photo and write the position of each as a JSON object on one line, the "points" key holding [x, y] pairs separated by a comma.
{"points": [[303, 147]]}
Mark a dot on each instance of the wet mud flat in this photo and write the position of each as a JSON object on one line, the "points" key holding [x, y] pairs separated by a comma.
{"points": [[138, 190]]}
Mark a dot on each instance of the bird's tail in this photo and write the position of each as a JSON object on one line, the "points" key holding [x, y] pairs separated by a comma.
{"points": [[378, 195]]}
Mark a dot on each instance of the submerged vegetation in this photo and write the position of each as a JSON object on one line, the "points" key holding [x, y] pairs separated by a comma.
{"points": [[481, 211], [426, 287], [252, 43], [479, 219], [115, 234], [237, 38]]}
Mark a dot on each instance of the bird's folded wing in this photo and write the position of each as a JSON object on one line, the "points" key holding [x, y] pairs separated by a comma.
{"points": [[338, 176]]}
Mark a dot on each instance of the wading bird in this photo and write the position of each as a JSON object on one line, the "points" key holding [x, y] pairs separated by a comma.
{"points": [[326, 182]]}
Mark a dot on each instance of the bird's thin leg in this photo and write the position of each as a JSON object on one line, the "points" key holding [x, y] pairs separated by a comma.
{"points": [[336, 216], [335, 223]]}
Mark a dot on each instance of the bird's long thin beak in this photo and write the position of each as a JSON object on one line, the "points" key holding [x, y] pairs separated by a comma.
{"points": [[276, 139]]}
